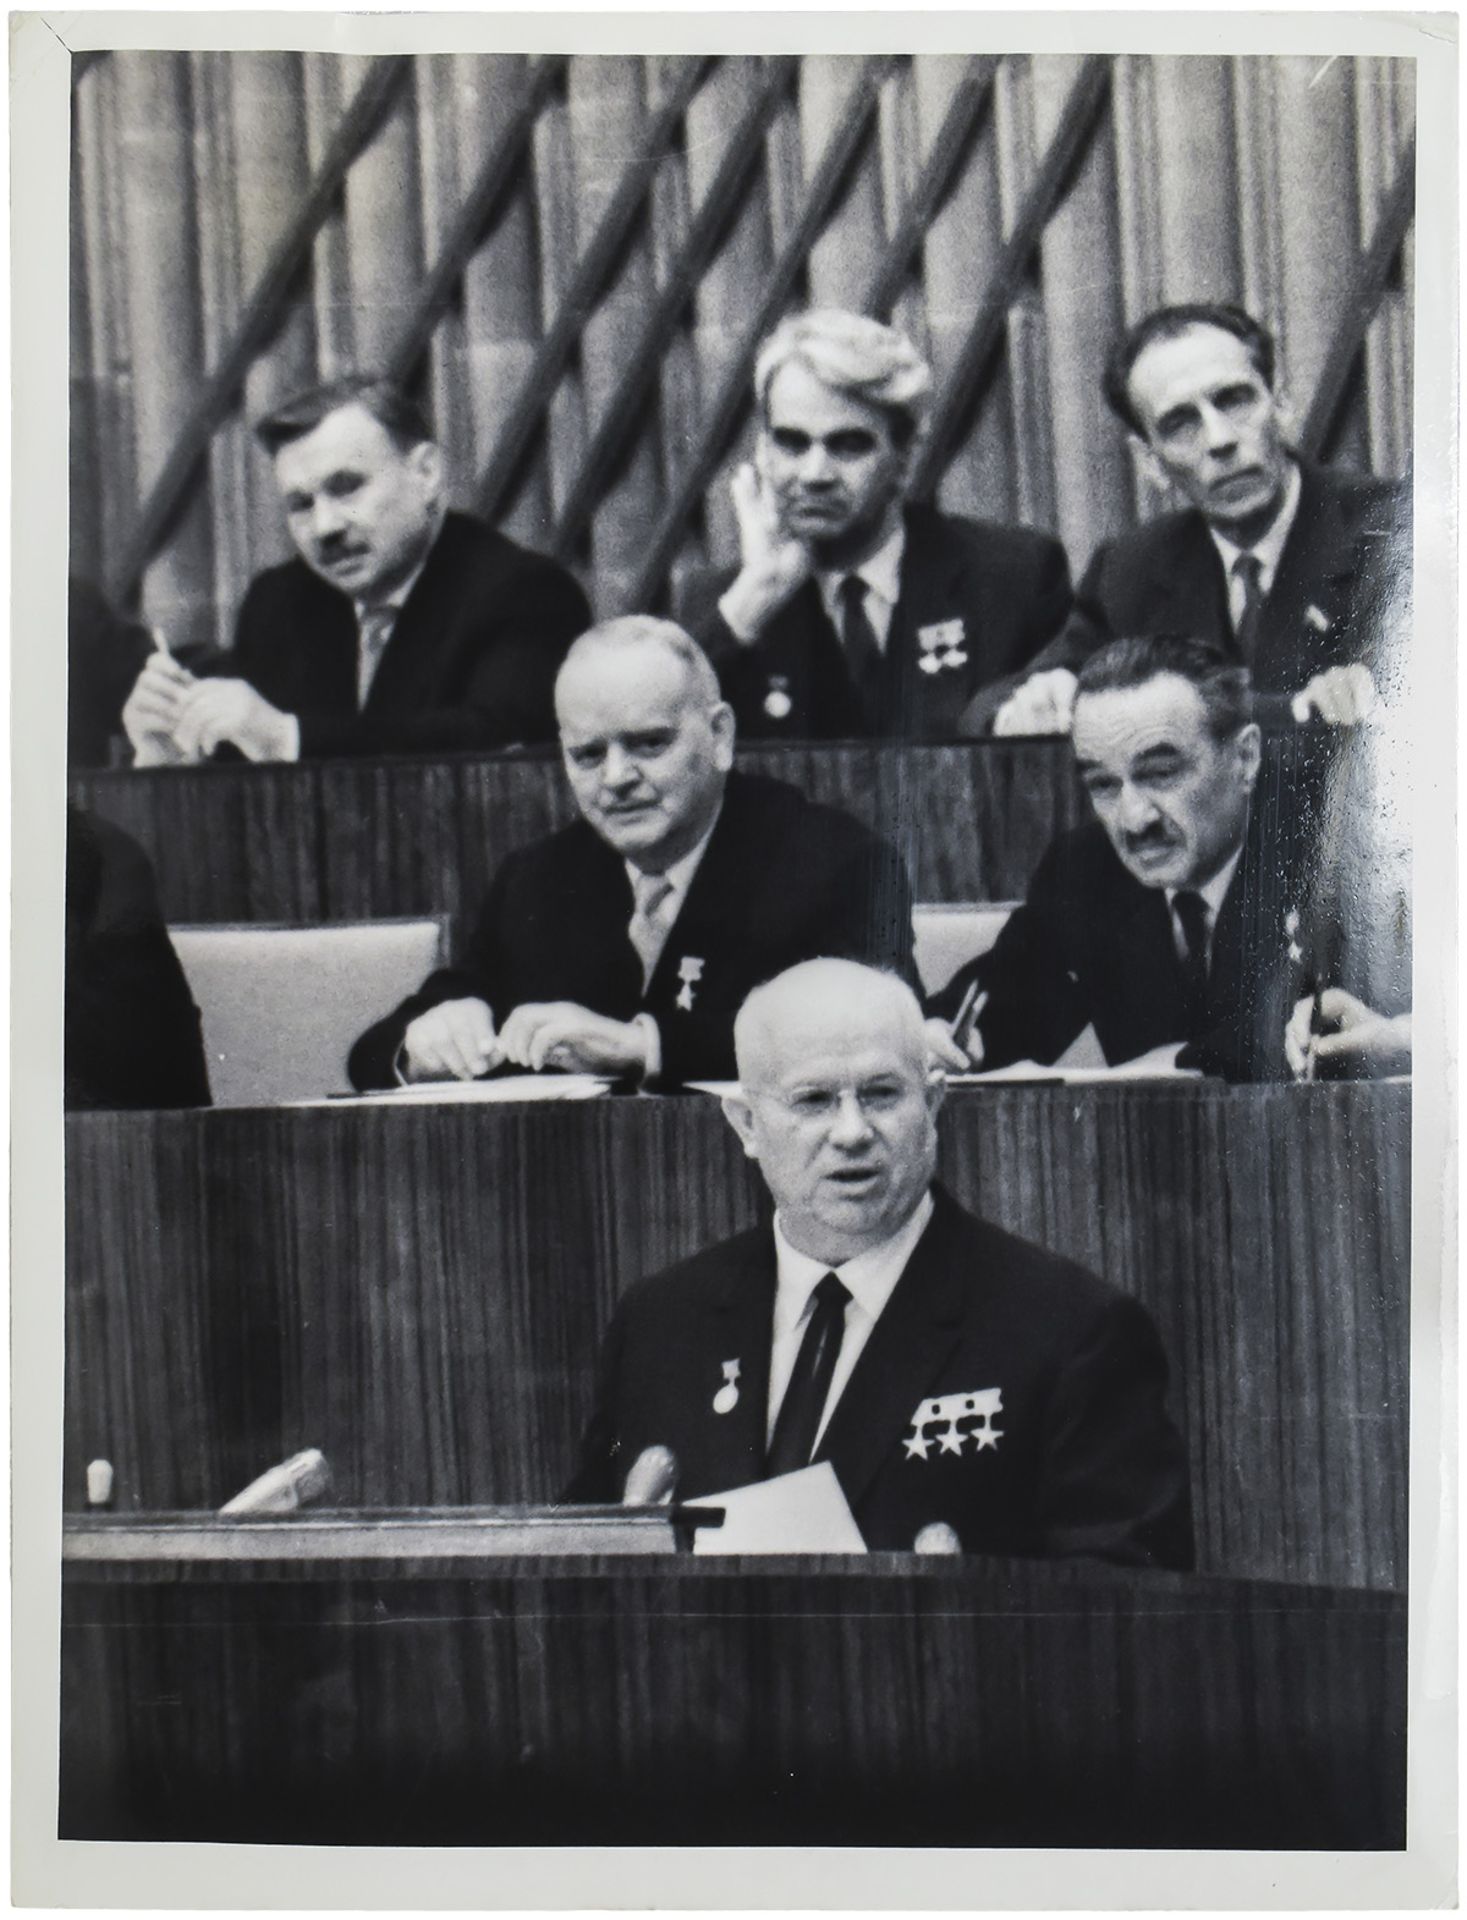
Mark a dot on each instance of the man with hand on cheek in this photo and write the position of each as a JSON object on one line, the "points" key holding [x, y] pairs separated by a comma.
{"points": [[624, 944]]}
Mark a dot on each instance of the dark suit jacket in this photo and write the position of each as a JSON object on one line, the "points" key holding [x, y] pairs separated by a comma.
{"points": [[1007, 587], [1087, 1462], [132, 1029], [1090, 945], [471, 663], [1347, 554], [782, 880]]}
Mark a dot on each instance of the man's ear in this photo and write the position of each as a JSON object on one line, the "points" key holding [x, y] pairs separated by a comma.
{"points": [[936, 1089], [723, 727], [1250, 754], [740, 1116], [426, 463], [1148, 464]]}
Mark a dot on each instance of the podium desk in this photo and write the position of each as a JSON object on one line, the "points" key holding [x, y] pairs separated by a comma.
{"points": [[887, 1701], [422, 1292]]}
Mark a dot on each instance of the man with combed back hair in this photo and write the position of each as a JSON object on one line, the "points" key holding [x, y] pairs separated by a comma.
{"points": [[955, 1377], [400, 627], [1183, 922], [1298, 572], [852, 615], [624, 944]]}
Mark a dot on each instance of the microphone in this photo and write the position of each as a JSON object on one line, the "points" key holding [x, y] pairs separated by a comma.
{"points": [[652, 1478], [294, 1483], [937, 1537]]}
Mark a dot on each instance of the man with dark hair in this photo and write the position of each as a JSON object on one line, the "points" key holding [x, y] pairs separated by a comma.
{"points": [[1173, 923], [1298, 572], [850, 615], [624, 944], [401, 627]]}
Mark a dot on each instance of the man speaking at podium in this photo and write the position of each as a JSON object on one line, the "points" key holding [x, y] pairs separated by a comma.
{"points": [[951, 1374]]}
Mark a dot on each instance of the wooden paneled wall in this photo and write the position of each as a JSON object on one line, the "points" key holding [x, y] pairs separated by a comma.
{"points": [[421, 1292], [1254, 179]]}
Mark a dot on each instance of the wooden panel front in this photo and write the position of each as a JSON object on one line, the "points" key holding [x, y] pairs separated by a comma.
{"points": [[421, 1292]]}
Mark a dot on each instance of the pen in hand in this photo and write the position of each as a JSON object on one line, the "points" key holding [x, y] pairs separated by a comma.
{"points": [[968, 1015]]}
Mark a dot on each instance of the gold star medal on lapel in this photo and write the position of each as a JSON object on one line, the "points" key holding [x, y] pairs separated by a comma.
{"points": [[1291, 929], [943, 646], [690, 972], [957, 1417]]}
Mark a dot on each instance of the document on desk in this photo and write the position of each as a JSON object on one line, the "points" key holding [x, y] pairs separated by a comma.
{"points": [[804, 1512], [511, 1088]]}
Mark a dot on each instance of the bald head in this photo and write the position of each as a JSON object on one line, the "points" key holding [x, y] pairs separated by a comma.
{"points": [[647, 742], [821, 1000], [837, 1103]]}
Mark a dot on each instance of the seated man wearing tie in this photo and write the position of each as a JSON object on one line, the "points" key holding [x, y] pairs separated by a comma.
{"points": [[955, 1377], [851, 616], [1174, 922], [624, 944], [1294, 570], [401, 627]]}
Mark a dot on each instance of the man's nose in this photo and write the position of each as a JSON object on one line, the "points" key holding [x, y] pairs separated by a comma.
{"points": [[1135, 810], [1219, 435], [851, 1128], [618, 769], [327, 517], [816, 466]]}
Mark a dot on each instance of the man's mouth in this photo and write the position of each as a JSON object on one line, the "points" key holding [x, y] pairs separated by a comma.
{"points": [[1231, 485], [1150, 851], [855, 1180], [343, 559]]}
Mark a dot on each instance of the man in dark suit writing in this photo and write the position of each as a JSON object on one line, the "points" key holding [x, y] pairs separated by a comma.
{"points": [[952, 1375], [401, 627], [625, 944], [851, 616], [1296, 571], [1179, 922]]}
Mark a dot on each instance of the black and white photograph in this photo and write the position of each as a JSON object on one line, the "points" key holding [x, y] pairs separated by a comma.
{"points": [[720, 1085]]}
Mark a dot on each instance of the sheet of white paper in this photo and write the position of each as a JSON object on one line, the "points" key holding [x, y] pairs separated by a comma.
{"points": [[513, 1087], [720, 1089], [802, 1512]]}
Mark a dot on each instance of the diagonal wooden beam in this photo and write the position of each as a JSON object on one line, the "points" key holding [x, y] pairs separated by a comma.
{"points": [[1076, 128], [527, 416], [473, 216], [720, 203], [1360, 304], [965, 110], [733, 396], [358, 125]]}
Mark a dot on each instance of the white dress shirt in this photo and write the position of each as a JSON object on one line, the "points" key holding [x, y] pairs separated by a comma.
{"points": [[870, 1280], [1214, 893], [369, 657], [881, 576], [1268, 551]]}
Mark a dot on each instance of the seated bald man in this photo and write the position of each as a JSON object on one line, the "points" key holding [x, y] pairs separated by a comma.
{"points": [[949, 1372], [624, 944]]}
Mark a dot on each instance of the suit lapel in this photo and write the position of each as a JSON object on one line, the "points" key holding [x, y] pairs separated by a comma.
{"points": [[1193, 591], [714, 916], [919, 1328], [739, 1326]]}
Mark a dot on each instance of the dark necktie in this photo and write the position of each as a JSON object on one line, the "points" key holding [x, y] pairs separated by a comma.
{"points": [[1248, 569], [1192, 918], [798, 1420], [864, 658]]}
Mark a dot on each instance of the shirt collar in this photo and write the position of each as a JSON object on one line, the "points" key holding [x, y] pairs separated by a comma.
{"points": [[870, 1278], [680, 874], [397, 599], [1216, 889], [882, 574], [1270, 548]]}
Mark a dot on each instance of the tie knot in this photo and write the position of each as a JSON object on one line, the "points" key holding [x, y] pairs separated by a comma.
{"points": [[853, 593], [1193, 915], [831, 1291], [1249, 569], [651, 890]]}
